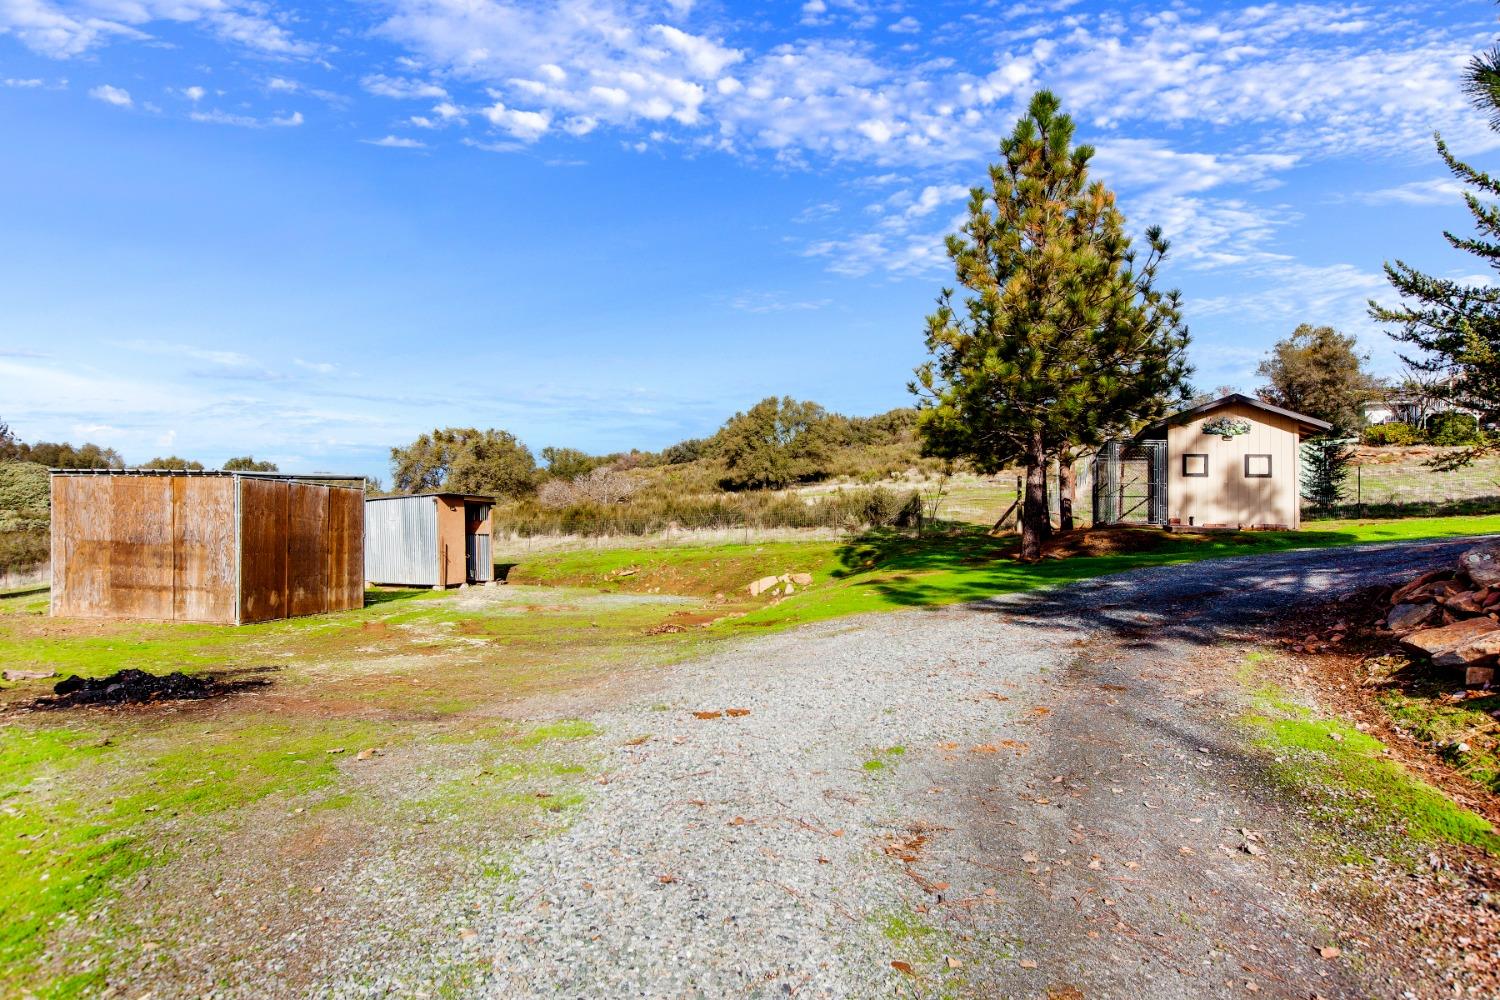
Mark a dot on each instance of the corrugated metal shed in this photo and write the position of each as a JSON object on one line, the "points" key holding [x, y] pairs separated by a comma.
{"points": [[428, 539], [220, 547], [401, 541]]}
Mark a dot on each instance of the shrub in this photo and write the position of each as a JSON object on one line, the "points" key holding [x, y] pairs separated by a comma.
{"points": [[1452, 428], [1390, 435]]}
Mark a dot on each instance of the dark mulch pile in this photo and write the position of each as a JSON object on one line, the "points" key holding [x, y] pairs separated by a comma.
{"points": [[137, 687]]}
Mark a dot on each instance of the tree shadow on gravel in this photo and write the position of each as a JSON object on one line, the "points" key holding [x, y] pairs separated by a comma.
{"points": [[1203, 603]]}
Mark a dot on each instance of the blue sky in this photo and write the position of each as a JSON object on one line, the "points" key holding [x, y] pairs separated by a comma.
{"points": [[313, 232]]}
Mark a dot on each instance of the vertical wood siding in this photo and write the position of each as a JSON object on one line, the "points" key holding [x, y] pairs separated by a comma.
{"points": [[1226, 496], [301, 549], [151, 547]]}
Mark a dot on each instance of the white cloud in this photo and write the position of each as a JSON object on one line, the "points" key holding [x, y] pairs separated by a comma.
{"points": [[402, 87], [194, 94], [28, 83], [217, 117], [906, 26], [117, 96], [62, 29], [396, 142], [321, 367], [527, 126], [1442, 191], [283, 85]]}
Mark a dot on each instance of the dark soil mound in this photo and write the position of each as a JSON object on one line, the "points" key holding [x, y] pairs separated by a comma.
{"points": [[137, 686], [1106, 542]]}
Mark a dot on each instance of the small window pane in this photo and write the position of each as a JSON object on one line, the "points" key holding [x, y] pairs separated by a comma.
{"points": [[1194, 465], [1258, 466]]}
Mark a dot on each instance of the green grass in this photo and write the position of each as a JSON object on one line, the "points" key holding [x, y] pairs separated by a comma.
{"points": [[1368, 803], [890, 571], [1450, 727]]}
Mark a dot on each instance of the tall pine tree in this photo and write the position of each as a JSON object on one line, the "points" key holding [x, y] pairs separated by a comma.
{"points": [[1456, 326], [1061, 337]]}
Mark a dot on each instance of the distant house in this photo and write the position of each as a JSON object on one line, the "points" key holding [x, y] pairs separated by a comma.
{"points": [[428, 540], [1230, 463]]}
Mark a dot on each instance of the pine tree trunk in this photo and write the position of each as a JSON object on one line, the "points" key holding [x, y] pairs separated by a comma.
{"points": [[1036, 526], [1067, 488]]}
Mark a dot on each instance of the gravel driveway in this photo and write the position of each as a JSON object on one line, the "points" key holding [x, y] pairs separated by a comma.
{"points": [[1020, 797]]}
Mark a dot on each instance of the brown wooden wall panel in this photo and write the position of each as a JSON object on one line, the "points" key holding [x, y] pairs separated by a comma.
{"points": [[80, 546], [307, 580], [346, 549], [140, 547], [452, 555], [263, 549], [204, 579]]}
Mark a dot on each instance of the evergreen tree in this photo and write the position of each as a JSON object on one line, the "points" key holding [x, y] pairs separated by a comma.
{"points": [[1325, 471], [1454, 326], [1061, 339], [465, 460]]}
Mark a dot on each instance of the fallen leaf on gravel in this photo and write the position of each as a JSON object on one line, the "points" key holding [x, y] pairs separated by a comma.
{"points": [[1030, 857], [666, 879], [467, 934], [1132, 865], [985, 748], [1186, 850], [1096, 862], [737, 821], [736, 713], [334, 750], [638, 740], [1114, 687], [318, 889], [1041, 710], [1026, 963], [708, 715], [369, 752], [1330, 951], [954, 963], [995, 696], [823, 861], [1250, 847], [905, 967]]}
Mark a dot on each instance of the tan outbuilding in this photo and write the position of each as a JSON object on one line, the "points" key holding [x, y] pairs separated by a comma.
{"points": [[1232, 463], [223, 547]]}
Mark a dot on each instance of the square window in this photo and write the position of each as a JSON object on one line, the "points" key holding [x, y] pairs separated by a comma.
{"points": [[1258, 466], [1194, 465]]}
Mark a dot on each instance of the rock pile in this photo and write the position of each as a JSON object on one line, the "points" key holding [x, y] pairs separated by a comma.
{"points": [[1452, 616], [780, 586]]}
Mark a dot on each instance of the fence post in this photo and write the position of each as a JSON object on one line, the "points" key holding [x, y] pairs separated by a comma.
{"points": [[1359, 490]]}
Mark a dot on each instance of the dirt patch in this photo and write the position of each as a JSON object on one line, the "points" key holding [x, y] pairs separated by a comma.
{"points": [[134, 687], [1105, 542]]}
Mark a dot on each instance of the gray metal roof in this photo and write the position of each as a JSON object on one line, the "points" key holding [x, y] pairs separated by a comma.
{"points": [[477, 497], [1303, 420], [311, 477]]}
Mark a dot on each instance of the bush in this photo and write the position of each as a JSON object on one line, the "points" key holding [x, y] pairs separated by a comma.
{"points": [[1453, 428], [1391, 435]]}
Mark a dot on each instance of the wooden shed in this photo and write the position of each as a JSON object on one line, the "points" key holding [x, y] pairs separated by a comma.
{"points": [[429, 539], [1233, 462], [229, 548]]}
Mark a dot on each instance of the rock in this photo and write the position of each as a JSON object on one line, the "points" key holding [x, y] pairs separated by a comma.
{"points": [[1404, 594], [1482, 563], [1405, 617], [763, 584], [789, 588], [1478, 676], [1434, 642], [27, 675], [1465, 603], [802, 579], [1484, 646]]}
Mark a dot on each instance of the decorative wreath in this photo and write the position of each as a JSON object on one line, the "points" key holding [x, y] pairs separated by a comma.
{"points": [[1226, 427]]}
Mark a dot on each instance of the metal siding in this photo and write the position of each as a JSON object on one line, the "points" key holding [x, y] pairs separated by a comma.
{"points": [[480, 566], [401, 541]]}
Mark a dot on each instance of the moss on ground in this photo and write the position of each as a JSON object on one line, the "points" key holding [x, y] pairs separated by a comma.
{"points": [[1464, 733], [1367, 802]]}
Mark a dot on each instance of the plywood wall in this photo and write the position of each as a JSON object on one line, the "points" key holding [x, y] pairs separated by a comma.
{"points": [[301, 549], [151, 547], [1226, 496], [453, 565]]}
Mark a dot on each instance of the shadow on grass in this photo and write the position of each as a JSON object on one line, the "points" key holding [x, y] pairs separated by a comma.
{"points": [[40, 588], [1142, 612], [374, 598]]}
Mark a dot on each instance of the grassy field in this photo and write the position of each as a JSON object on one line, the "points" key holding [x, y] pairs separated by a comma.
{"points": [[418, 734]]}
